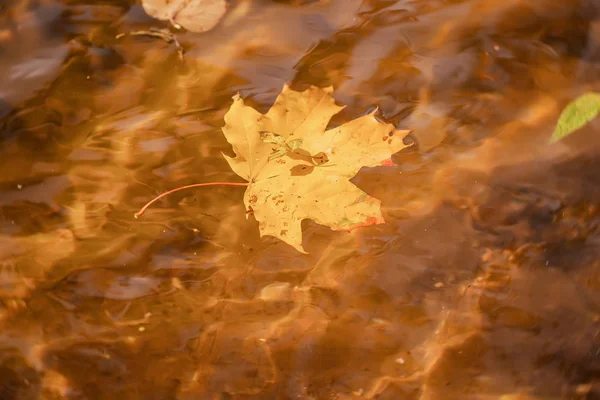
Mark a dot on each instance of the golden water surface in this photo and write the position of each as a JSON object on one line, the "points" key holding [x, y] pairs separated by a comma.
{"points": [[484, 282]]}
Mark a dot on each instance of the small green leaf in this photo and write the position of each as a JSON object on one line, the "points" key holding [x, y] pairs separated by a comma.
{"points": [[576, 114]]}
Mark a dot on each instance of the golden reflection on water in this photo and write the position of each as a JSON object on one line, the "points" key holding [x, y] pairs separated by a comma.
{"points": [[483, 284]]}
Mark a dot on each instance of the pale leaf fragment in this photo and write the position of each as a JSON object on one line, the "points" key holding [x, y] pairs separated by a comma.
{"points": [[301, 171], [193, 15]]}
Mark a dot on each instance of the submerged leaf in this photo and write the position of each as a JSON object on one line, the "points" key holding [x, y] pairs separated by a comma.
{"points": [[576, 114], [25, 260], [310, 178], [193, 15]]}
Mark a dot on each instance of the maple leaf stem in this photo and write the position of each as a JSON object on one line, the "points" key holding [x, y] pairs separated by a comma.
{"points": [[160, 196]]}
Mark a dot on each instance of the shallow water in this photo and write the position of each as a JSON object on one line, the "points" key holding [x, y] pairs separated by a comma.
{"points": [[483, 284]]}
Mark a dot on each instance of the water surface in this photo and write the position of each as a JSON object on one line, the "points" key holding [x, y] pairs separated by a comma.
{"points": [[483, 284]]}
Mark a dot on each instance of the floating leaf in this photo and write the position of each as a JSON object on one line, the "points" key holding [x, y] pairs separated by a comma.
{"points": [[310, 179], [576, 114], [193, 15]]}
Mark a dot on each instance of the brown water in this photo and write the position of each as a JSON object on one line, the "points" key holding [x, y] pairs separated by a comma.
{"points": [[483, 284]]}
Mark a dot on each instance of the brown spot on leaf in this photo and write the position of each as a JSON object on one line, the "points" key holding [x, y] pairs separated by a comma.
{"points": [[253, 199], [320, 158], [283, 232], [300, 154], [301, 170]]}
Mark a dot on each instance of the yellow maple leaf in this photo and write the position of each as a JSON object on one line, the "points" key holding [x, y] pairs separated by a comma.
{"points": [[297, 170]]}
